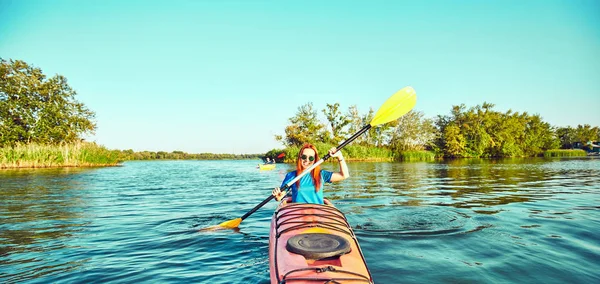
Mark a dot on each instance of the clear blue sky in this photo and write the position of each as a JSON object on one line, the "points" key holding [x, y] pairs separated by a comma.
{"points": [[225, 76]]}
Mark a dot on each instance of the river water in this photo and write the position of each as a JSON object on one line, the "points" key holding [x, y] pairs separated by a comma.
{"points": [[465, 221]]}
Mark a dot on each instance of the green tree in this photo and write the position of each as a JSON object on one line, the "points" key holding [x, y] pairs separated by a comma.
{"points": [[474, 129], [373, 135], [460, 133], [337, 122], [586, 133], [506, 130], [37, 109], [454, 142], [566, 135], [304, 128], [356, 123], [413, 132], [538, 136], [482, 132]]}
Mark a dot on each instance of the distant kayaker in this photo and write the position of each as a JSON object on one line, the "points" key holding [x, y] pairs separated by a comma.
{"points": [[309, 188]]}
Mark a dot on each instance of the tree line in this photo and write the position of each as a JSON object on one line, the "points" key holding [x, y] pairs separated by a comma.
{"points": [[475, 132], [125, 155]]}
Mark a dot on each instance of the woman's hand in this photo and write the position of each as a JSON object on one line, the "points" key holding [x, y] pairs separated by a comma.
{"points": [[278, 193], [334, 153]]}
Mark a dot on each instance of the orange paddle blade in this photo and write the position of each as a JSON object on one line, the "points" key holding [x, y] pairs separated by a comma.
{"points": [[231, 224]]}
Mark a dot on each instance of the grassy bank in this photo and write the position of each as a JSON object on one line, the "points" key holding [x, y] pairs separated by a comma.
{"points": [[565, 153], [415, 156], [81, 154]]}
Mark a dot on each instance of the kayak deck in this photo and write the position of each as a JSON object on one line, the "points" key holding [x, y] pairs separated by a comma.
{"points": [[312, 243]]}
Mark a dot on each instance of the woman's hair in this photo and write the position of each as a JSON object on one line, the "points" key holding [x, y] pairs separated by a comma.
{"points": [[316, 172]]}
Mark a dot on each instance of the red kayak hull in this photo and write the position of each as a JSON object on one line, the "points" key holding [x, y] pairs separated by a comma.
{"points": [[293, 219]]}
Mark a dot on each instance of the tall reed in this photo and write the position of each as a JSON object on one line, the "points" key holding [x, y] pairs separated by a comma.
{"points": [[414, 156], [564, 153], [82, 154]]}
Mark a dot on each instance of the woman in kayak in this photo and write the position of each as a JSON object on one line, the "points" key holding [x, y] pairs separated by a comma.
{"points": [[309, 188]]}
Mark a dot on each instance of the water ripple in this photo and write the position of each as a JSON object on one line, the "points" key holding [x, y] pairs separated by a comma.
{"points": [[418, 221]]}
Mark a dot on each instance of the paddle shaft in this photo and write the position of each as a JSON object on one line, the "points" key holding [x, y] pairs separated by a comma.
{"points": [[288, 185]]}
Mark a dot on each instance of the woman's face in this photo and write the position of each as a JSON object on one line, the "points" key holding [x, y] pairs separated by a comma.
{"points": [[307, 157]]}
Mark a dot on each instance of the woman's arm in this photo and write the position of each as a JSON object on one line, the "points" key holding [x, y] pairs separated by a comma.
{"points": [[343, 173]]}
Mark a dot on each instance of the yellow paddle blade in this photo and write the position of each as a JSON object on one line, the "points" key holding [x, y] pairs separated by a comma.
{"points": [[396, 106], [231, 224]]}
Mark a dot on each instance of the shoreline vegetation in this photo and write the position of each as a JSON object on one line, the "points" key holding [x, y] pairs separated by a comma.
{"points": [[565, 153], [360, 153], [88, 154], [35, 155]]}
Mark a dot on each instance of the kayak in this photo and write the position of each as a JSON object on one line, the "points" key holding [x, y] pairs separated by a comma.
{"points": [[266, 167], [312, 243]]}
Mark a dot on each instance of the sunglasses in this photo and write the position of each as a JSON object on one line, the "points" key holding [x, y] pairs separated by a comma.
{"points": [[310, 158]]}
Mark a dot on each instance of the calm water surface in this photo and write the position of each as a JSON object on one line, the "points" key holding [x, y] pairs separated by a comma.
{"points": [[519, 221]]}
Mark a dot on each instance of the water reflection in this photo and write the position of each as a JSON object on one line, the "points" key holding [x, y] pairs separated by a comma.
{"points": [[464, 196], [39, 209], [473, 184]]}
